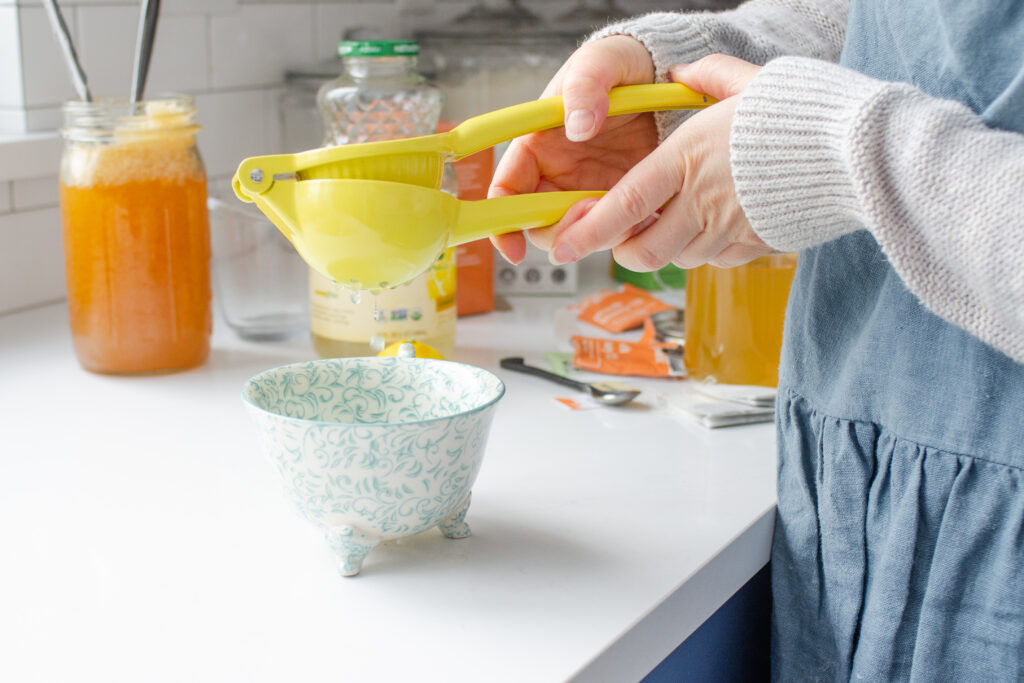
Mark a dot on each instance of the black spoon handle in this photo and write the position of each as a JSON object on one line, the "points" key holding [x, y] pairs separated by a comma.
{"points": [[518, 365]]}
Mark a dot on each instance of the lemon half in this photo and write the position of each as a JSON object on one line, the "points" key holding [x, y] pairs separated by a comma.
{"points": [[421, 349]]}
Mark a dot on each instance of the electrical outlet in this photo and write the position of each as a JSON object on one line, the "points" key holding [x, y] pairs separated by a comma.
{"points": [[535, 275]]}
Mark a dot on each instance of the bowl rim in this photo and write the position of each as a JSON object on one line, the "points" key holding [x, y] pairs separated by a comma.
{"points": [[387, 360]]}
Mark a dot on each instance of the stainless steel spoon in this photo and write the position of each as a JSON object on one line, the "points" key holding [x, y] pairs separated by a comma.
{"points": [[609, 393], [60, 30], [148, 16]]}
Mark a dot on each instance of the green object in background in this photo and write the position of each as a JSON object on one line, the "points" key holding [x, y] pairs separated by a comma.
{"points": [[669, 277], [561, 363]]}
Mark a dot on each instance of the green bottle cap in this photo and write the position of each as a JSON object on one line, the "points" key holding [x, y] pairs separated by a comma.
{"points": [[378, 48]]}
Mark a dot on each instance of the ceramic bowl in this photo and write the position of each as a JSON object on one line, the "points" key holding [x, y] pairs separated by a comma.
{"points": [[372, 449]]}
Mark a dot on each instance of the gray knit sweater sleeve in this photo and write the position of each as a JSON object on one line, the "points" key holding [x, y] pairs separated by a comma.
{"points": [[818, 151], [756, 31]]}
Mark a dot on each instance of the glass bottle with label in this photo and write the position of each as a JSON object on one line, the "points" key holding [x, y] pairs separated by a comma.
{"points": [[381, 96]]}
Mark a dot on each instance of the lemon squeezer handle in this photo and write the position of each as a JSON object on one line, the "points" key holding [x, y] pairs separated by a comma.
{"points": [[487, 130], [486, 217]]}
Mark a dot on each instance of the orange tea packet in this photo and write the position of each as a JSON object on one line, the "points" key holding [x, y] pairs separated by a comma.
{"points": [[618, 310], [643, 358]]}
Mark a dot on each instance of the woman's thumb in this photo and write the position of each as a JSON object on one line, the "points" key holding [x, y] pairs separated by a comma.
{"points": [[720, 76]]}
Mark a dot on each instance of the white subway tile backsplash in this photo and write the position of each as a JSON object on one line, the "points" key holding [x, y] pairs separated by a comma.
{"points": [[195, 6], [67, 3], [426, 14], [333, 20], [29, 156], [5, 197], [11, 92], [272, 140], [35, 193], [181, 60], [107, 37], [254, 45], [13, 120], [43, 119], [234, 127], [46, 76], [33, 272]]}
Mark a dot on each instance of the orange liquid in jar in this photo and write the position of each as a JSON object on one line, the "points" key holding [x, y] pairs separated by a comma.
{"points": [[734, 319], [137, 254]]}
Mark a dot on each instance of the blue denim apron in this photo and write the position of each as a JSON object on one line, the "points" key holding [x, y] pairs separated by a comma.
{"points": [[899, 542]]}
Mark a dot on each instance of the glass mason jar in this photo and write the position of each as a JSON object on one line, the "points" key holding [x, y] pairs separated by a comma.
{"points": [[136, 235], [381, 96], [734, 319]]}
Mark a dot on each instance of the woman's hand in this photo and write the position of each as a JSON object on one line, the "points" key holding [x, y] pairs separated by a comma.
{"points": [[678, 204], [558, 159]]}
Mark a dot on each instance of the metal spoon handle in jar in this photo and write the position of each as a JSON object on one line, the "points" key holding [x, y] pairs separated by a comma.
{"points": [[144, 47], [518, 365], [60, 31]]}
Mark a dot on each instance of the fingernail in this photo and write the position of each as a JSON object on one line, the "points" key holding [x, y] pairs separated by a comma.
{"points": [[562, 254], [578, 124]]}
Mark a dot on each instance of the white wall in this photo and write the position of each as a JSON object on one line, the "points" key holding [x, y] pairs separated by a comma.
{"points": [[230, 54]]}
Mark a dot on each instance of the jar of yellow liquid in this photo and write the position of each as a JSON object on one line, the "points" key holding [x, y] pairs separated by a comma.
{"points": [[733, 320], [136, 235]]}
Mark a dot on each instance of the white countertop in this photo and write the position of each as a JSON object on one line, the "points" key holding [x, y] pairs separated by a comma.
{"points": [[143, 536]]}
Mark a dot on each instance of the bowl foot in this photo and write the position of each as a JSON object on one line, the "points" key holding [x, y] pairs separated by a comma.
{"points": [[455, 526], [351, 546]]}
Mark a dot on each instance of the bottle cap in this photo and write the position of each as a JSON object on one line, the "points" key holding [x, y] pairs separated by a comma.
{"points": [[378, 48]]}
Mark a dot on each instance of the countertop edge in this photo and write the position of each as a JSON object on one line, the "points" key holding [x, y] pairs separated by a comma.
{"points": [[656, 634]]}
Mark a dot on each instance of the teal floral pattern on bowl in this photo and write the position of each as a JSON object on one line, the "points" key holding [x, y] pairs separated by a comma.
{"points": [[371, 449]]}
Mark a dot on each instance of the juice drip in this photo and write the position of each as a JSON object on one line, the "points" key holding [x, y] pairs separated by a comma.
{"points": [[377, 341]]}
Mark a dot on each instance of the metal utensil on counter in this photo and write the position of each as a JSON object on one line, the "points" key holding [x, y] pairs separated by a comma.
{"points": [[144, 47], [669, 326], [60, 31], [607, 392]]}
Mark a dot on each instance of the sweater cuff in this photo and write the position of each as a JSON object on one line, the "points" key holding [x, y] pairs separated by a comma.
{"points": [[671, 38], [790, 151]]}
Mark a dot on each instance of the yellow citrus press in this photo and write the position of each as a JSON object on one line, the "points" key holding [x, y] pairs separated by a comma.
{"points": [[371, 216]]}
